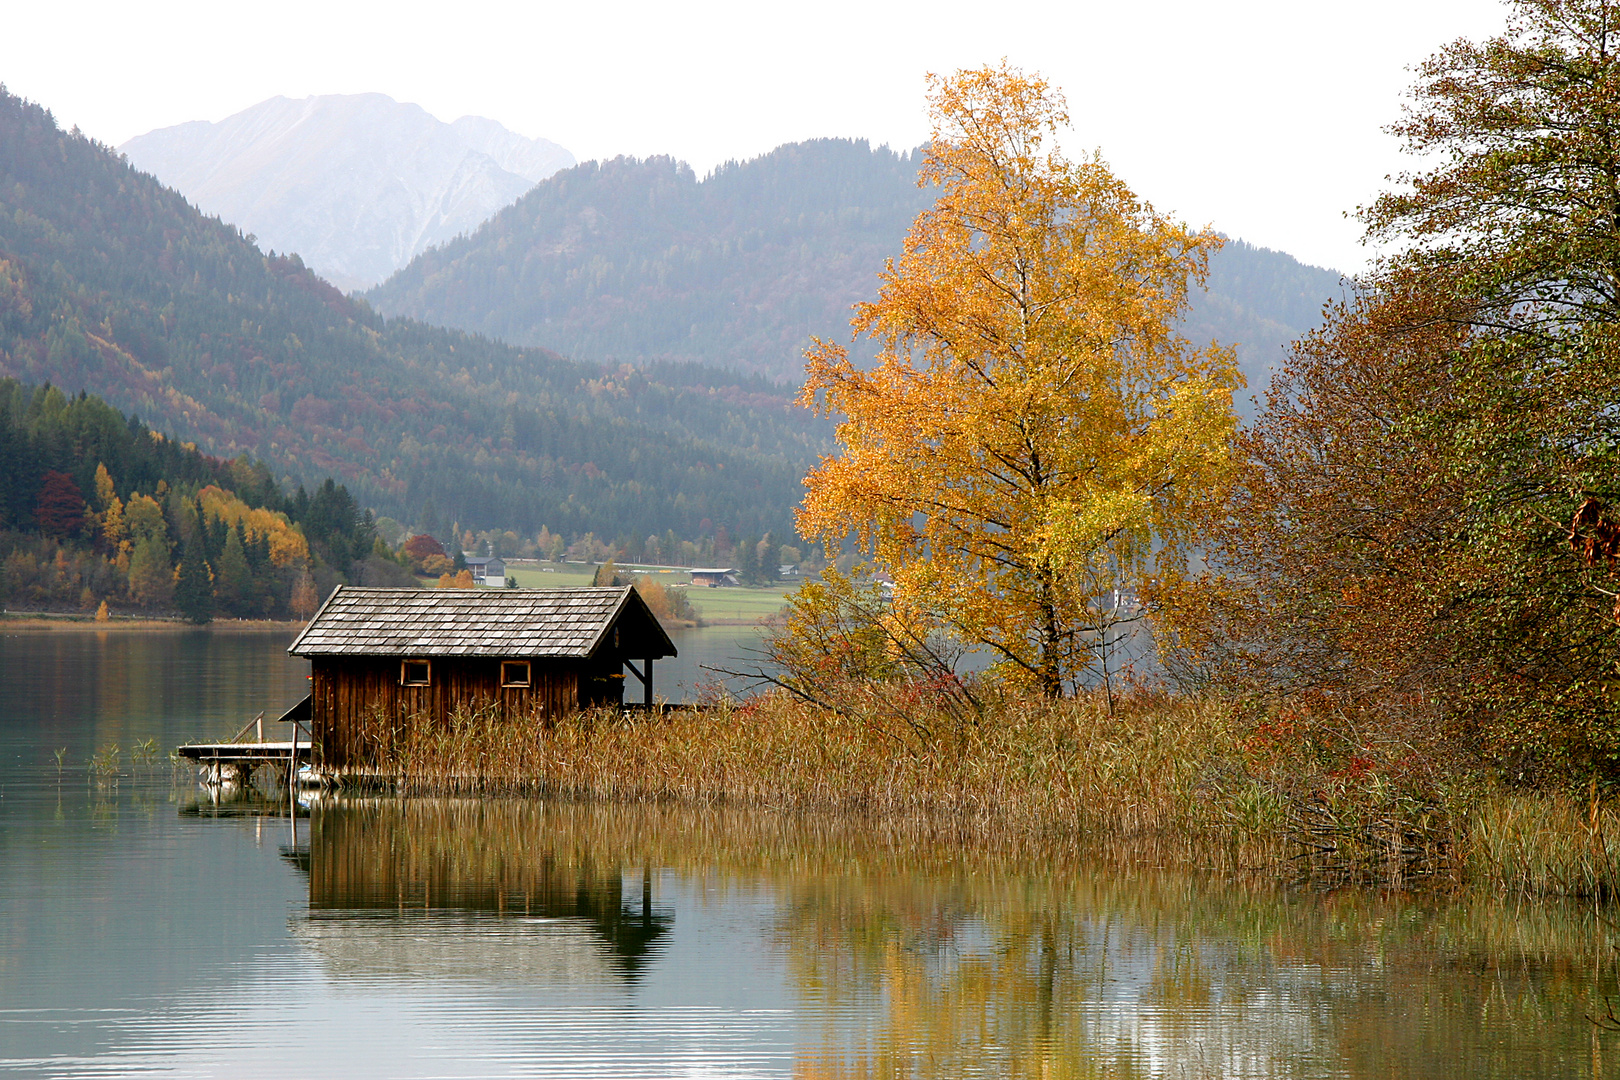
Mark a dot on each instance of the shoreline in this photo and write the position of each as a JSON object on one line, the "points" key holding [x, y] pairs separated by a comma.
{"points": [[57, 621]]}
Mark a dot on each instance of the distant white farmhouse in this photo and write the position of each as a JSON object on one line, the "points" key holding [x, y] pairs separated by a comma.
{"points": [[487, 570]]}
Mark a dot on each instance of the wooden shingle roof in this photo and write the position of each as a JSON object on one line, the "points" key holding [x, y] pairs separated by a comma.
{"points": [[478, 622]]}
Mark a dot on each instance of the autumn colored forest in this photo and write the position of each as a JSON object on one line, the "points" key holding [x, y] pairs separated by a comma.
{"points": [[100, 514]]}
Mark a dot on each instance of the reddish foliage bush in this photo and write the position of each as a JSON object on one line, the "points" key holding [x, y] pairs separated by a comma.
{"points": [[60, 512]]}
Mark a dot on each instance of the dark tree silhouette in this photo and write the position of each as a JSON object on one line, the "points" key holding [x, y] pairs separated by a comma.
{"points": [[193, 591], [60, 511]]}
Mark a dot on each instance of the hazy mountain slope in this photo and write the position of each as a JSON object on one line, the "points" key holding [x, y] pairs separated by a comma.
{"points": [[1259, 300], [636, 260], [355, 184], [112, 283]]}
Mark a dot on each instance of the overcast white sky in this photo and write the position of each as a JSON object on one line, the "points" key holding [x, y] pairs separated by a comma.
{"points": [[1262, 118]]}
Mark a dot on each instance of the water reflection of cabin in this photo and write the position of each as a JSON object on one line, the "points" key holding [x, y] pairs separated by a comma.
{"points": [[421, 856], [428, 653]]}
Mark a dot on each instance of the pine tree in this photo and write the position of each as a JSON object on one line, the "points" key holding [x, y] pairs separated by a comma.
{"points": [[770, 560], [233, 581], [748, 561], [194, 587]]}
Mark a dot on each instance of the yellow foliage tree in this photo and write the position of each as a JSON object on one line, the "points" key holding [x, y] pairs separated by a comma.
{"points": [[463, 580], [143, 520], [106, 492], [110, 519], [669, 605], [287, 544], [1035, 438], [304, 599]]}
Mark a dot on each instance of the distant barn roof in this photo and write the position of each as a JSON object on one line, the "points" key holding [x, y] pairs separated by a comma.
{"points": [[478, 622]]}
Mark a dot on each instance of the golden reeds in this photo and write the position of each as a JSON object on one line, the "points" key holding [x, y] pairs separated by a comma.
{"points": [[1158, 780], [1154, 772], [1544, 845]]}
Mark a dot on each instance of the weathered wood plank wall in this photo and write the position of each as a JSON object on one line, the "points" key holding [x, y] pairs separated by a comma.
{"points": [[358, 705]]}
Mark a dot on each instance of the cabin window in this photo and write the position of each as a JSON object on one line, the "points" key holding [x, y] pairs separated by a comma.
{"points": [[514, 673], [414, 673]]}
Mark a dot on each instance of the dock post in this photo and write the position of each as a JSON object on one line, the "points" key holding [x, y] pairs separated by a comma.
{"points": [[292, 787], [292, 777]]}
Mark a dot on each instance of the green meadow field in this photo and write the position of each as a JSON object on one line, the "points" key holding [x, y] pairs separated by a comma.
{"points": [[746, 605], [743, 605]]}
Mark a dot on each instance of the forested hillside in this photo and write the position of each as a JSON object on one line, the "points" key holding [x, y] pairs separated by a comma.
{"points": [[113, 283], [635, 260], [96, 509], [632, 260]]}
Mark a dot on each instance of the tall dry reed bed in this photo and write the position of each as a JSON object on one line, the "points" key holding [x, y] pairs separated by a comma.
{"points": [[1169, 780], [1026, 766]]}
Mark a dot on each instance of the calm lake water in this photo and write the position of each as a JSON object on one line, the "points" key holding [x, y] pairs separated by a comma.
{"points": [[146, 930]]}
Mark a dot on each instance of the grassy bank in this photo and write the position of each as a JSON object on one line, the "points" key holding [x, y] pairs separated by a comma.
{"points": [[739, 606], [1156, 779]]}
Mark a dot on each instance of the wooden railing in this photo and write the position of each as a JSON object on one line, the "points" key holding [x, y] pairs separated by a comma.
{"points": [[257, 724]]}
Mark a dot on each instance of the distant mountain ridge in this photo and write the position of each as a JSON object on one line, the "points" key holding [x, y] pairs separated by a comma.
{"points": [[112, 283], [355, 184], [637, 260]]}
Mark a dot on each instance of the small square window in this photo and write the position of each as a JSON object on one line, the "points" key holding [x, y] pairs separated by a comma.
{"points": [[414, 673], [514, 673]]}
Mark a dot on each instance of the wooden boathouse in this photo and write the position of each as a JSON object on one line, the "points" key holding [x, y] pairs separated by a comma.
{"points": [[378, 656]]}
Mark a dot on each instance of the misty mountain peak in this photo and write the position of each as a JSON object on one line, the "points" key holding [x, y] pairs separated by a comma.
{"points": [[357, 184]]}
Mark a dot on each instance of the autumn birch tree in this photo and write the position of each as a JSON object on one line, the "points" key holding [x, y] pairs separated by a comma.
{"points": [[1034, 438]]}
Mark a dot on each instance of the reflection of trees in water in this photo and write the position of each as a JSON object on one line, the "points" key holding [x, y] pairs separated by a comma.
{"points": [[1038, 972], [924, 954], [85, 689], [493, 857]]}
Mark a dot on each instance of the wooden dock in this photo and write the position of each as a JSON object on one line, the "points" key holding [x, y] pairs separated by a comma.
{"points": [[235, 761]]}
